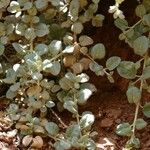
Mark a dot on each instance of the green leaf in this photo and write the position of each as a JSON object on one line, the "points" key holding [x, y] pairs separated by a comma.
{"points": [[141, 45], [122, 24], [70, 106], [126, 69], [77, 27], [87, 120], [62, 145], [50, 104], [140, 124], [113, 62], [146, 110], [51, 67], [95, 67], [55, 2], [146, 73], [2, 48], [85, 40], [52, 128], [83, 95], [21, 49], [73, 133], [133, 143], [41, 49], [55, 47], [140, 10], [41, 30], [98, 51], [146, 19], [133, 94], [124, 129]]}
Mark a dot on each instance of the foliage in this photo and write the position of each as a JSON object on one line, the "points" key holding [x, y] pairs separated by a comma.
{"points": [[51, 57]]}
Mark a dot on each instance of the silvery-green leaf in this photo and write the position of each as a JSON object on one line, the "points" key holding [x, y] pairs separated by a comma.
{"points": [[2, 48], [41, 49], [146, 19], [21, 49], [70, 106], [141, 45], [87, 120], [91, 145], [27, 5], [133, 94], [97, 21], [98, 51], [77, 27], [85, 40], [89, 86], [11, 94], [55, 47], [50, 104], [15, 87], [133, 143], [55, 2], [20, 28], [41, 4], [69, 49], [82, 78], [121, 24], [113, 62], [124, 129], [96, 1], [52, 128], [146, 73], [73, 132], [126, 69], [10, 76], [37, 76], [51, 67], [13, 108], [65, 83], [74, 9], [14, 7], [140, 124], [146, 110], [62, 145], [95, 67], [30, 34], [140, 10], [83, 95], [41, 30]]}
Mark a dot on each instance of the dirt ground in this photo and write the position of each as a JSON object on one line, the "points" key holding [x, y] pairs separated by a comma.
{"points": [[109, 104]]}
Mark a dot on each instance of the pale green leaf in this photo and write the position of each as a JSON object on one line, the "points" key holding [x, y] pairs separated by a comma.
{"points": [[124, 129], [140, 124], [133, 94], [98, 51], [52, 128], [141, 45], [146, 110], [126, 69], [113, 62]]}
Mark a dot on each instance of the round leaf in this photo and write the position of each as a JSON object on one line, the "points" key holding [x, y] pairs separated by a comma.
{"points": [[52, 128], [140, 124], [98, 51], [133, 94], [140, 45], [126, 69], [113, 62], [146, 110], [124, 129]]}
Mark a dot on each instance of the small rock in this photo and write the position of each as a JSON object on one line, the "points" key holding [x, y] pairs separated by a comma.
{"points": [[106, 123], [37, 142], [27, 140]]}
